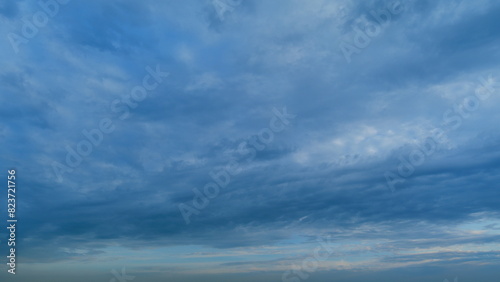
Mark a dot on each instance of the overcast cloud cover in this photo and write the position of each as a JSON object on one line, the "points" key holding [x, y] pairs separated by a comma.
{"points": [[388, 152]]}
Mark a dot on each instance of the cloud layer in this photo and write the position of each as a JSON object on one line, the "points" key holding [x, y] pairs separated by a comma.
{"points": [[357, 117]]}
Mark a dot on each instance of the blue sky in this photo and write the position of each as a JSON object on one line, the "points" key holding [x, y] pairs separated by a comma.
{"points": [[229, 140]]}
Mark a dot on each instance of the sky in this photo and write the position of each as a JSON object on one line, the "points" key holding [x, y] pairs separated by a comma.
{"points": [[251, 140]]}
